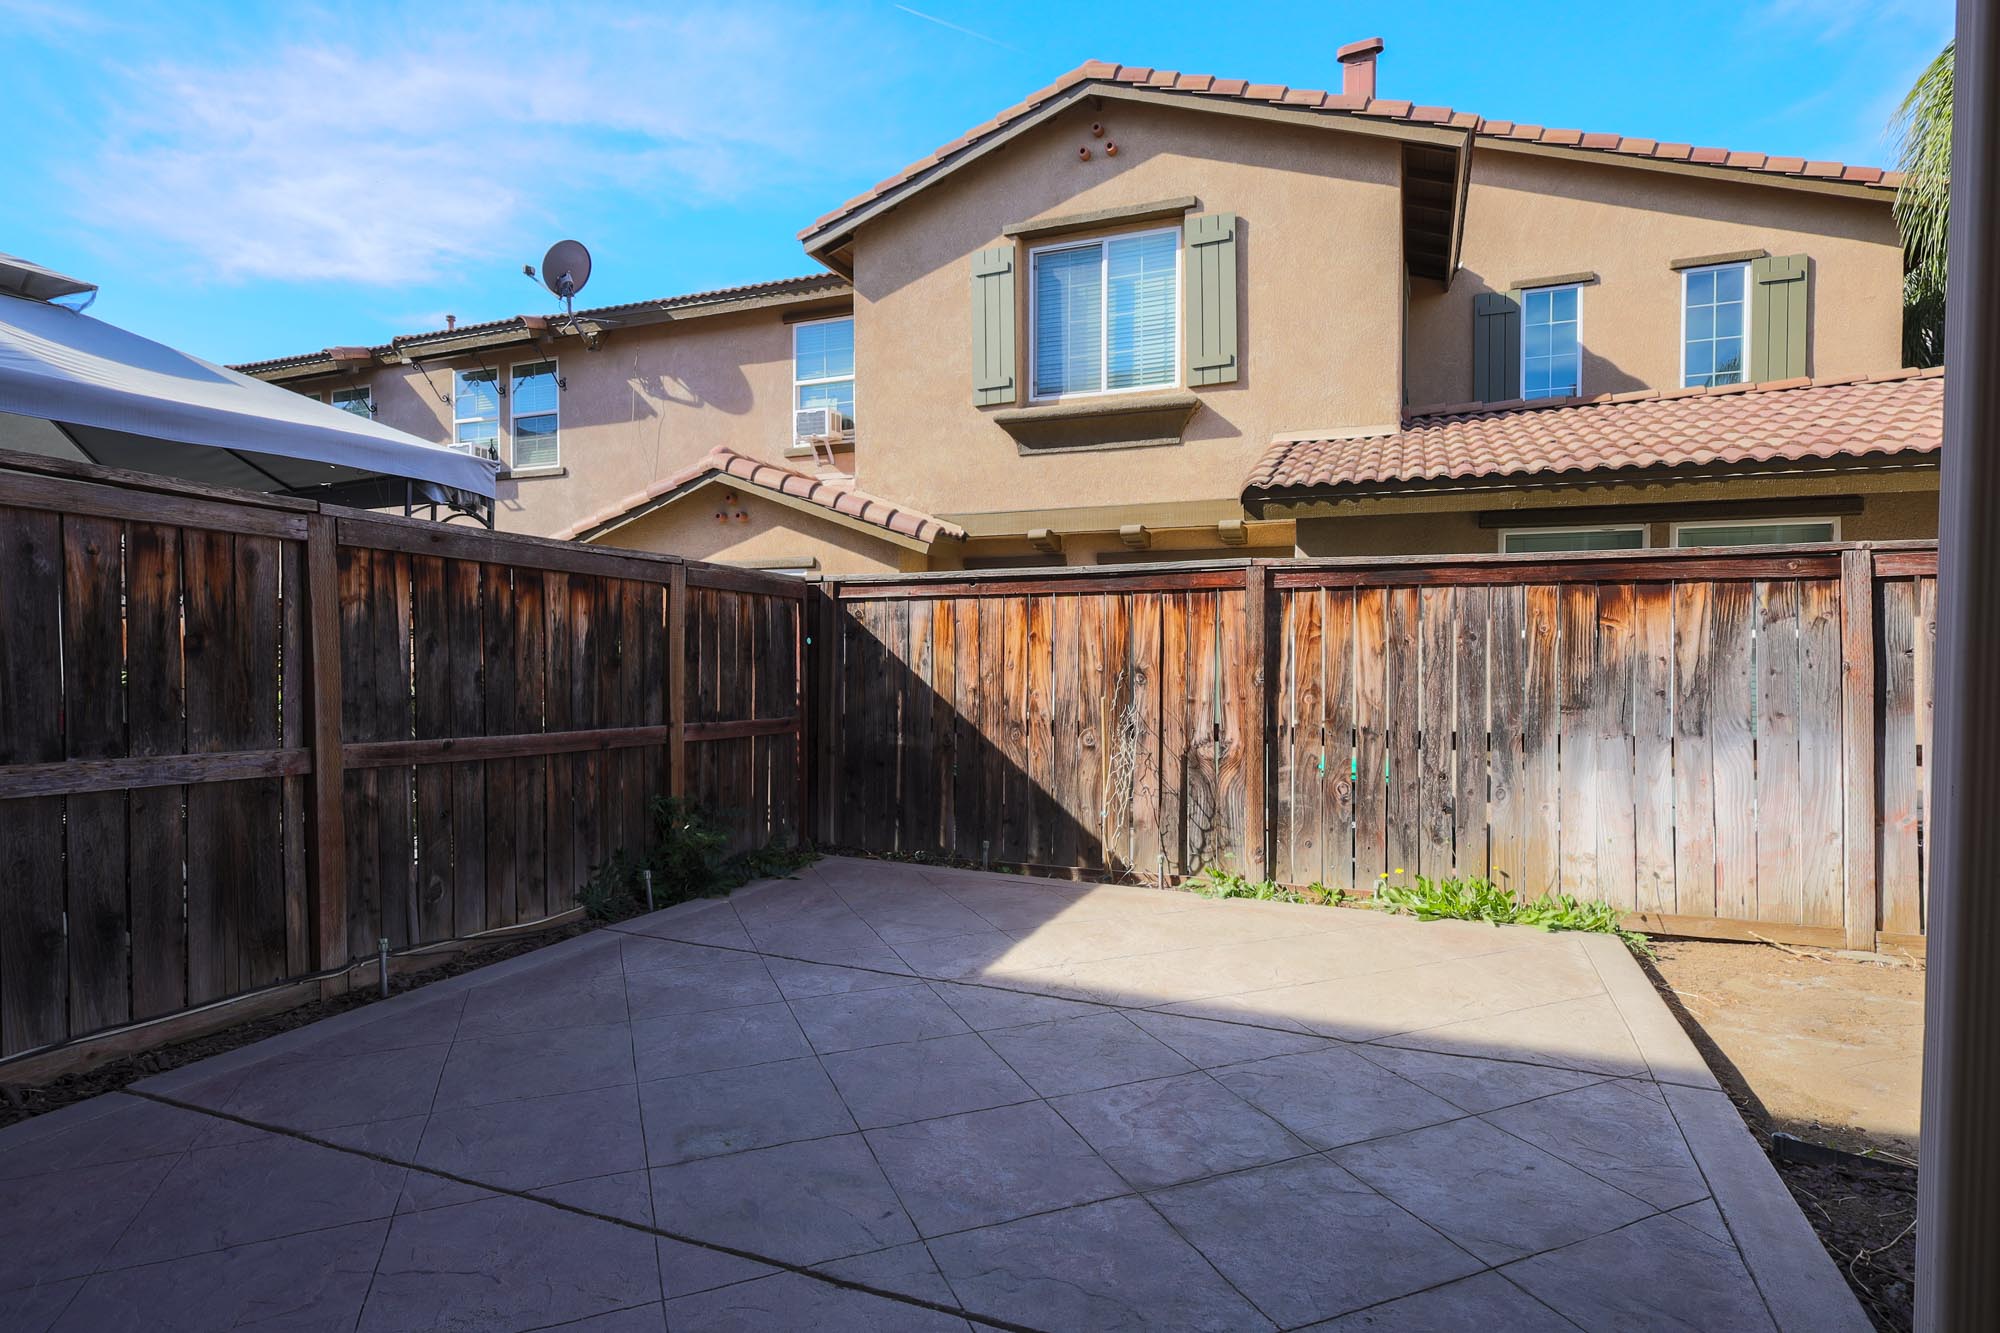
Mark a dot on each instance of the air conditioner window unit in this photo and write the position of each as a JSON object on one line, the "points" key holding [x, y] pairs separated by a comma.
{"points": [[817, 425]]}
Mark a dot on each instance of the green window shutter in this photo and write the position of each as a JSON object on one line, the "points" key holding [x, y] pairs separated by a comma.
{"points": [[1209, 272], [1780, 287], [1496, 346], [993, 326]]}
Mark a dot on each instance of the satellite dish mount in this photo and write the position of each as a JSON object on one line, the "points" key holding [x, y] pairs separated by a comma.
{"points": [[565, 269]]}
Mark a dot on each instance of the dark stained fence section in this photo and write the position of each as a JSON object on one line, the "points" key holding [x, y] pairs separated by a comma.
{"points": [[213, 782]]}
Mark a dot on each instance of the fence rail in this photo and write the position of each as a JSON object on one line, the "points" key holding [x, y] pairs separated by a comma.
{"points": [[1722, 743], [243, 739]]}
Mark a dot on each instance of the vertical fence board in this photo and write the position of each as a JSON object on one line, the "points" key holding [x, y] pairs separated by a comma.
{"points": [[1819, 827], [1369, 768], [1338, 783], [1437, 679], [1732, 613], [155, 726], [1924, 637], [1577, 740], [1541, 720], [1467, 647], [1694, 751], [1142, 716], [1616, 668], [93, 656], [1779, 892], [33, 1003], [466, 716], [1653, 798], [1505, 703], [1402, 812]]}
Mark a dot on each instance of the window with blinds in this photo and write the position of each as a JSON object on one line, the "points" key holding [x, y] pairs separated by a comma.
{"points": [[534, 395], [475, 412], [1106, 315]]}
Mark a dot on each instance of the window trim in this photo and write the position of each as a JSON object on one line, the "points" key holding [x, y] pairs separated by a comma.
{"points": [[458, 374], [367, 392], [1522, 367], [1674, 537], [1681, 345], [851, 377], [1643, 529], [555, 369], [1104, 315]]}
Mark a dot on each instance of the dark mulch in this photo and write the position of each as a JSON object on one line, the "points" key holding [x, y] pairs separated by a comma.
{"points": [[19, 1103]]}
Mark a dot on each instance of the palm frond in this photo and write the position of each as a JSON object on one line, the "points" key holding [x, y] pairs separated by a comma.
{"points": [[1922, 130]]}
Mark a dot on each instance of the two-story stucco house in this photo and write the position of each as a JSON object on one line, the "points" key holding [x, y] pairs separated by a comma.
{"points": [[1147, 315]]}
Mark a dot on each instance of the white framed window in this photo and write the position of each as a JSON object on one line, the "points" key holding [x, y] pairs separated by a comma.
{"points": [[361, 402], [1715, 311], [1757, 532], [1552, 342], [536, 405], [1604, 537], [475, 411], [1104, 316], [823, 367]]}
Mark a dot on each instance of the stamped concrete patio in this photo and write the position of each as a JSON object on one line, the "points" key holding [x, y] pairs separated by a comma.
{"points": [[888, 1097]]}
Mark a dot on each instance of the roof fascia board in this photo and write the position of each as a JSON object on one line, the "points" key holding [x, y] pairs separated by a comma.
{"points": [[1673, 166], [1462, 188], [1349, 498], [721, 478], [823, 242], [1097, 518]]}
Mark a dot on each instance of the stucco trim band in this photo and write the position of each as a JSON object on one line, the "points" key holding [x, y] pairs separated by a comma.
{"points": [[1098, 217]]}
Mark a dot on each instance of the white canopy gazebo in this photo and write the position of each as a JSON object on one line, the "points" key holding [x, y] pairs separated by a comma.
{"points": [[75, 387]]}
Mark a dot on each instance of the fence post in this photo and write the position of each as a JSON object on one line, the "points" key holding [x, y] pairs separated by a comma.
{"points": [[1256, 741], [826, 721], [326, 831], [1857, 730], [677, 597]]}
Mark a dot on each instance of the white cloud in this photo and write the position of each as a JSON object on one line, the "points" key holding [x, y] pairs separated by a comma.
{"points": [[395, 151]]}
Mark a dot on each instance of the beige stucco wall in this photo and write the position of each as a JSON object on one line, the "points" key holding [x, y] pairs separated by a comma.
{"points": [[1895, 506], [704, 525], [1319, 261], [1531, 217], [651, 400]]}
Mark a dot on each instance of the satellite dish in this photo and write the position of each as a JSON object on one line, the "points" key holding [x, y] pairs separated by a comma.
{"points": [[565, 268]]}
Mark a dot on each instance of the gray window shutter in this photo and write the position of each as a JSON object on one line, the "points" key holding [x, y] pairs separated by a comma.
{"points": [[1496, 346], [1780, 286], [993, 326], [1209, 272]]}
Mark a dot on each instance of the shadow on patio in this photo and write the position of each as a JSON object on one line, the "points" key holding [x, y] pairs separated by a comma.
{"points": [[883, 1095]]}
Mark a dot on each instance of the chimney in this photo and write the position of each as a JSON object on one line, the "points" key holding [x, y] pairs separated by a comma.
{"points": [[1357, 67], [450, 322]]}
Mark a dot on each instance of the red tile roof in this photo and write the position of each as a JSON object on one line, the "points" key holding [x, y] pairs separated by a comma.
{"points": [[839, 499], [1196, 86], [1785, 421]]}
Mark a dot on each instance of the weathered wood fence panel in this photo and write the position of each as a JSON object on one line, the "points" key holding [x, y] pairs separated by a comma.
{"points": [[1680, 734], [243, 739]]}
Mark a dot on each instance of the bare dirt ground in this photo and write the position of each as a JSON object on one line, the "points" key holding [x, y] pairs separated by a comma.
{"points": [[1827, 1049]]}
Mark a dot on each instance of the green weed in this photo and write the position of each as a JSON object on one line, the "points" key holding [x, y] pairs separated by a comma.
{"points": [[1210, 882], [689, 858], [1481, 900]]}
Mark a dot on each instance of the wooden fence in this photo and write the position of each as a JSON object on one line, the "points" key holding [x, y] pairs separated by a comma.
{"points": [[1720, 743], [242, 739]]}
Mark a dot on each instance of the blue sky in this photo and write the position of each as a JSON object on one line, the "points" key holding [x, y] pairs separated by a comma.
{"points": [[253, 180]]}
